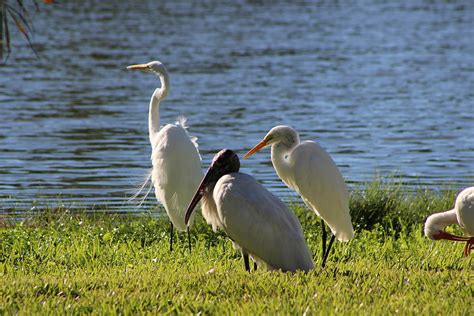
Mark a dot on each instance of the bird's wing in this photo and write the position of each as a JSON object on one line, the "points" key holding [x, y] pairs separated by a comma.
{"points": [[465, 210], [260, 223], [176, 171], [317, 179]]}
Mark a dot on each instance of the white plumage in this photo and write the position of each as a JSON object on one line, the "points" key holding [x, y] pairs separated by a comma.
{"points": [[465, 210], [260, 223], [311, 172], [176, 172]]}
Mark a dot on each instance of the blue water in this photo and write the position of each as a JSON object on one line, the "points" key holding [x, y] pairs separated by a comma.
{"points": [[384, 87]]}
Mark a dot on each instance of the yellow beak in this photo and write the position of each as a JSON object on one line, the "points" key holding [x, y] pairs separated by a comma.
{"points": [[257, 147], [137, 67]]}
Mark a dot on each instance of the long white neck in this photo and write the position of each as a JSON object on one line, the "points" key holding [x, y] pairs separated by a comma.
{"points": [[154, 111], [437, 222], [280, 152]]}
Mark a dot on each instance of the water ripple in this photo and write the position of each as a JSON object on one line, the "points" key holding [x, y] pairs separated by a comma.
{"points": [[384, 87]]}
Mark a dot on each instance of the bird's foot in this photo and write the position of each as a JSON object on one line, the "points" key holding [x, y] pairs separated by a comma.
{"points": [[469, 246]]}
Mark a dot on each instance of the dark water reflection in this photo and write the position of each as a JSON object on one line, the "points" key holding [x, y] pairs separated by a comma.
{"points": [[383, 87]]}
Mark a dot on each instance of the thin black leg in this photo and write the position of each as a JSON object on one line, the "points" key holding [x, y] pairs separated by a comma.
{"points": [[323, 229], [254, 266], [189, 239], [171, 236], [246, 261], [328, 249]]}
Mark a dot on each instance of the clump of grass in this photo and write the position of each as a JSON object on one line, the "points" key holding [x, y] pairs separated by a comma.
{"points": [[63, 261], [385, 203]]}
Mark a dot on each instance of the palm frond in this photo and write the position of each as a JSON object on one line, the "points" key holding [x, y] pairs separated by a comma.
{"points": [[1, 29], [16, 12], [22, 25], [20, 14]]}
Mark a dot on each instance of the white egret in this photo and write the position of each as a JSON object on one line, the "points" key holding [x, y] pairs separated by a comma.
{"points": [[462, 215], [253, 218], [309, 170], [175, 158]]}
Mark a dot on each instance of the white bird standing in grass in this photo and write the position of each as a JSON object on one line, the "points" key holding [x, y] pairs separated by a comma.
{"points": [[462, 215], [309, 170], [175, 158], [256, 221]]}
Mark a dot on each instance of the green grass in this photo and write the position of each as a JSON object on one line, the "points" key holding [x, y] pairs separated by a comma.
{"points": [[72, 262]]}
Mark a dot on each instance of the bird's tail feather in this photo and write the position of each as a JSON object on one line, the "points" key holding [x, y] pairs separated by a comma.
{"points": [[345, 235], [141, 187]]}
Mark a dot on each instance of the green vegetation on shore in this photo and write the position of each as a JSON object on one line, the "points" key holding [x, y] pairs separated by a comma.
{"points": [[61, 261]]}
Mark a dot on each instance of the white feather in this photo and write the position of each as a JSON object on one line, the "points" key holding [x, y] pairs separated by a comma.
{"points": [[141, 186], [176, 171], [258, 222]]}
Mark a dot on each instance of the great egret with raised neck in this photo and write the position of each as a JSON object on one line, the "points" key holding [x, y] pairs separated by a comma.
{"points": [[175, 158]]}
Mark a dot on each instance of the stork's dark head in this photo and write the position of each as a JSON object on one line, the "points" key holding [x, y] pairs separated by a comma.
{"points": [[224, 162]]}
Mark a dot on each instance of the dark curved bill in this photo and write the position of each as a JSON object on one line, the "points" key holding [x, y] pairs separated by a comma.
{"points": [[196, 198], [198, 195]]}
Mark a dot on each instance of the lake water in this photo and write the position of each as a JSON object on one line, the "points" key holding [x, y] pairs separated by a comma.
{"points": [[384, 87]]}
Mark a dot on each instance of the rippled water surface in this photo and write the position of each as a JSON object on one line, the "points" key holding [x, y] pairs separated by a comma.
{"points": [[385, 88]]}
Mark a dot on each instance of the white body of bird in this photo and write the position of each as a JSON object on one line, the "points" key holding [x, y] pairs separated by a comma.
{"points": [[176, 171], [309, 170], [258, 222], [465, 210]]}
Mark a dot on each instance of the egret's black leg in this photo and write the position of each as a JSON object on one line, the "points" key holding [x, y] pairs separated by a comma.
{"points": [[171, 236], [246, 261], [323, 229], [189, 239], [254, 266], [328, 249]]}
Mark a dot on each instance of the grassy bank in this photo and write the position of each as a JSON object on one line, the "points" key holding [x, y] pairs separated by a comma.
{"points": [[72, 262]]}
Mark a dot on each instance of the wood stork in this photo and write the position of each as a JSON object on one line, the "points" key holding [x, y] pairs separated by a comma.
{"points": [[175, 158], [462, 215], [309, 170], [253, 218]]}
